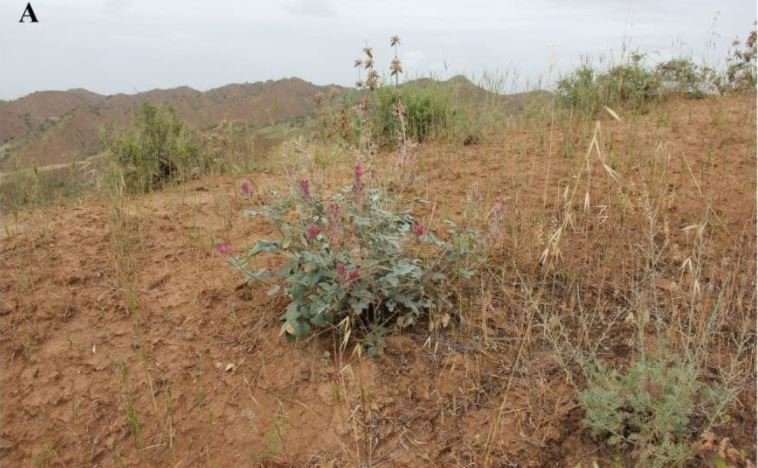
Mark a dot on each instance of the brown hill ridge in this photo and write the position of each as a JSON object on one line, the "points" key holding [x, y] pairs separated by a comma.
{"points": [[51, 127], [54, 127]]}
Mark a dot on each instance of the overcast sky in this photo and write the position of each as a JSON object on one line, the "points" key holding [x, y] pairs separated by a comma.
{"points": [[111, 46]]}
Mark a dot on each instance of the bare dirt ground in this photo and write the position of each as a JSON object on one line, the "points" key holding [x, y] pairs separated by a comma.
{"points": [[127, 340]]}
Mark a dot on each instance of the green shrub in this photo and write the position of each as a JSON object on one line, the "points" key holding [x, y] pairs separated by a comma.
{"points": [[622, 86], [156, 149], [628, 85], [633, 84], [387, 116], [649, 407], [358, 263], [579, 89], [428, 114], [682, 77]]}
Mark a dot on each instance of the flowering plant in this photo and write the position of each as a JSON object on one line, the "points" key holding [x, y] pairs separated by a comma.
{"points": [[353, 260]]}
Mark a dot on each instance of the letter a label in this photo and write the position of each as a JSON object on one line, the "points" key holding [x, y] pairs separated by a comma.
{"points": [[28, 13]]}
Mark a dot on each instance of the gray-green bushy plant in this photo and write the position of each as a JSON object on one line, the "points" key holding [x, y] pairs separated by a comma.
{"points": [[649, 407], [356, 262]]}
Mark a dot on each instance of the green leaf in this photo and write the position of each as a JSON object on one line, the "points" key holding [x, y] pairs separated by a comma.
{"points": [[264, 246], [319, 320], [358, 305], [390, 279], [404, 268], [253, 276], [467, 273]]}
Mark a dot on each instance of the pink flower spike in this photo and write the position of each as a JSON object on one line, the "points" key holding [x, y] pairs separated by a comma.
{"points": [[353, 277], [223, 248], [312, 231], [304, 188], [346, 278], [246, 188], [334, 213], [418, 230], [358, 184]]}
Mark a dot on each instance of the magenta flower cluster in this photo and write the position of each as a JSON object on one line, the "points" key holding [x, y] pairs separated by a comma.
{"points": [[358, 174], [304, 187], [312, 231], [246, 188], [333, 213], [418, 230], [347, 278], [223, 248]]}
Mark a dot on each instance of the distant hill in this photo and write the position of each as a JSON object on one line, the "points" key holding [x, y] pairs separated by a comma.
{"points": [[54, 127], [51, 127], [464, 91]]}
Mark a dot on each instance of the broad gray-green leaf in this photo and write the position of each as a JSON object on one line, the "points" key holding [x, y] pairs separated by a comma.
{"points": [[264, 246]]}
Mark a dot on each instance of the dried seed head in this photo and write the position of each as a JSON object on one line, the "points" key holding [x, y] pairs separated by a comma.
{"points": [[358, 63], [496, 217], [396, 67], [400, 109], [368, 52], [394, 41], [372, 80]]}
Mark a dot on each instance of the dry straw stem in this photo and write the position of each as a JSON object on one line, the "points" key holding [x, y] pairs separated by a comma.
{"points": [[552, 251]]}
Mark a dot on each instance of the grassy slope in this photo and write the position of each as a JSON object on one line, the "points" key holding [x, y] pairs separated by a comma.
{"points": [[128, 340]]}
